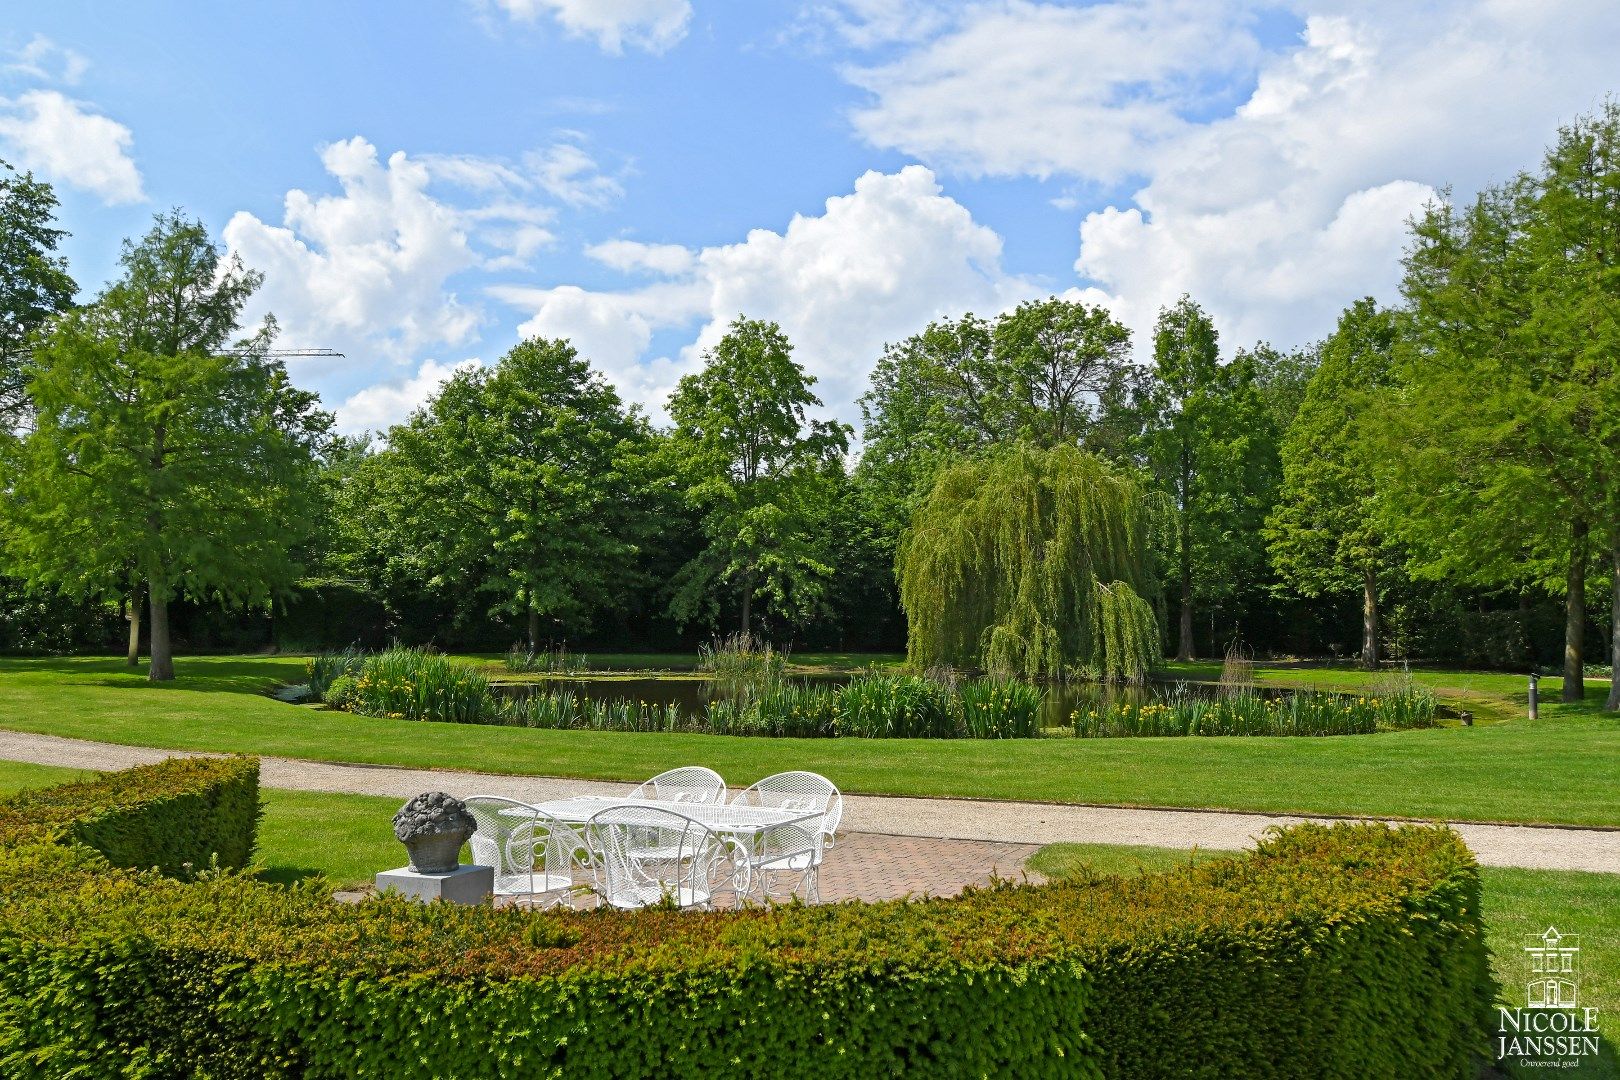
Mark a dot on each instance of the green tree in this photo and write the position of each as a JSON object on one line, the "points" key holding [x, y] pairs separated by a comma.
{"points": [[1033, 562], [757, 470], [1326, 534], [1507, 431], [34, 282], [1209, 442], [518, 482], [160, 450], [1044, 373]]}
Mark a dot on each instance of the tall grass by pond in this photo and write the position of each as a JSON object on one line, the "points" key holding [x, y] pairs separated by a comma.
{"points": [[743, 662], [416, 684], [404, 684], [1244, 712], [868, 707], [523, 660]]}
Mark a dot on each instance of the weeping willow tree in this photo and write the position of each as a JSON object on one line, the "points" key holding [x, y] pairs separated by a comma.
{"points": [[1033, 562]]}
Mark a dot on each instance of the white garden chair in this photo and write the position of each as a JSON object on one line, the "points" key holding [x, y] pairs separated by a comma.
{"points": [[805, 791], [693, 784], [646, 854], [534, 855]]}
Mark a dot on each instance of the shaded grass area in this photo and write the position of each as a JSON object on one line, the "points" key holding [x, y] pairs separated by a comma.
{"points": [[1489, 773], [1516, 903]]}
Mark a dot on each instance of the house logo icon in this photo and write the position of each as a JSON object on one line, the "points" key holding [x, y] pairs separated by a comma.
{"points": [[1555, 967]]}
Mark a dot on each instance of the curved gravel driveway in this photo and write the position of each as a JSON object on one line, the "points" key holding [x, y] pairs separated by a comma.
{"points": [[1529, 846]]}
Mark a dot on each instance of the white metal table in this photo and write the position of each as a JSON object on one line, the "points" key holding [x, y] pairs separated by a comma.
{"points": [[742, 825]]}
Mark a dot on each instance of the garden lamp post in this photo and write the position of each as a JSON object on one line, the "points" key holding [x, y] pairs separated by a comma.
{"points": [[1534, 679]]}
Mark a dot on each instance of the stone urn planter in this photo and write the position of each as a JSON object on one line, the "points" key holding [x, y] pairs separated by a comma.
{"points": [[433, 827]]}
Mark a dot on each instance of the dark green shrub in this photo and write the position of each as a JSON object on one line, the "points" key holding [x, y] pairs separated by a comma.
{"points": [[343, 692], [177, 816], [1342, 951]]}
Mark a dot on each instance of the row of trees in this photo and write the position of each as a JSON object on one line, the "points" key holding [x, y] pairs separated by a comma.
{"points": [[1463, 444]]}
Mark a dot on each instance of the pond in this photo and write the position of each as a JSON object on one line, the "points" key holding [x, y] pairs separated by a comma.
{"points": [[692, 694]]}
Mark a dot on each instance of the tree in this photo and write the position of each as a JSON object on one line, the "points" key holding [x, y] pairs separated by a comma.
{"points": [[160, 449], [1033, 562], [1210, 446], [1043, 373], [1326, 535], [1507, 433], [518, 482], [34, 282], [755, 467]]}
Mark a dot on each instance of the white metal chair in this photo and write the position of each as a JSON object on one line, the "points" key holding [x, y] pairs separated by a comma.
{"points": [[693, 784], [805, 791], [534, 854], [646, 854]]}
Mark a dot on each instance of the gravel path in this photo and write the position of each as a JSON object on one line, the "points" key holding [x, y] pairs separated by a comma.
{"points": [[962, 819]]}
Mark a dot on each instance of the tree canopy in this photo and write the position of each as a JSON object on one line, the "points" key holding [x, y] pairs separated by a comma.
{"points": [[34, 282], [516, 483], [162, 451], [757, 468], [1031, 561]]}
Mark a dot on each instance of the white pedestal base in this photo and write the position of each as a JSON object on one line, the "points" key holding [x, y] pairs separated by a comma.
{"points": [[467, 884]]}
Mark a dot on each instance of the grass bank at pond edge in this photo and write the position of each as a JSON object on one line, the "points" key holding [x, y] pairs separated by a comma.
{"points": [[1560, 770]]}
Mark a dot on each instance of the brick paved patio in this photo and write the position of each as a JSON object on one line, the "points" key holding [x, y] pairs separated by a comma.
{"points": [[877, 866]]}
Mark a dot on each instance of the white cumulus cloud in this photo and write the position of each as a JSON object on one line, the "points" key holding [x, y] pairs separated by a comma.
{"points": [[364, 269], [875, 266], [650, 25], [1272, 182], [381, 405], [67, 142]]}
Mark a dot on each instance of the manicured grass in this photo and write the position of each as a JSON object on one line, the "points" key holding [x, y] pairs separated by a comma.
{"points": [[1489, 773], [1516, 903]]}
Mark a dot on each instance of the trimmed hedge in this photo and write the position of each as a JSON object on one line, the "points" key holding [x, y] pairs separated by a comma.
{"points": [[1343, 951], [180, 814]]}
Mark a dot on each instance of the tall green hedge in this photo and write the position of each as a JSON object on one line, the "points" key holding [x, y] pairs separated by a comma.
{"points": [[1344, 951], [180, 814]]}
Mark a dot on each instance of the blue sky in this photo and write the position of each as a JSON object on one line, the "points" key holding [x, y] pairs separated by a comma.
{"points": [[424, 183]]}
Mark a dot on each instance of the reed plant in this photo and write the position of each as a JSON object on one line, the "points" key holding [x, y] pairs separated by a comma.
{"points": [[555, 660], [896, 707], [414, 684], [325, 668], [743, 662], [1306, 713], [999, 709]]}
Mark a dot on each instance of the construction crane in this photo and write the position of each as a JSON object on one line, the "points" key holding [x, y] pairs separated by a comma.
{"points": [[285, 353]]}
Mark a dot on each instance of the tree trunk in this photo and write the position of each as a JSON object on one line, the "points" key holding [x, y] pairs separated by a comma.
{"points": [[1184, 643], [1613, 704], [1575, 616], [162, 669], [747, 598], [534, 630], [133, 606], [1369, 620]]}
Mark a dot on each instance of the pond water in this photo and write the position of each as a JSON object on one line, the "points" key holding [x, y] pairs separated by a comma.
{"points": [[691, 695]]}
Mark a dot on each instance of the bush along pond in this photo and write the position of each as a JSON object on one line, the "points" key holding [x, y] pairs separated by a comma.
{"points": [[415, 684]]}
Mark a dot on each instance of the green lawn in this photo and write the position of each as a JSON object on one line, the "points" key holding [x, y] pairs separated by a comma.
{"points": [[1496, 772], [1516, 903]]}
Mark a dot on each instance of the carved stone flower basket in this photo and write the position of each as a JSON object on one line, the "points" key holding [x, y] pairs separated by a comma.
{"points": [[433, 827]]}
